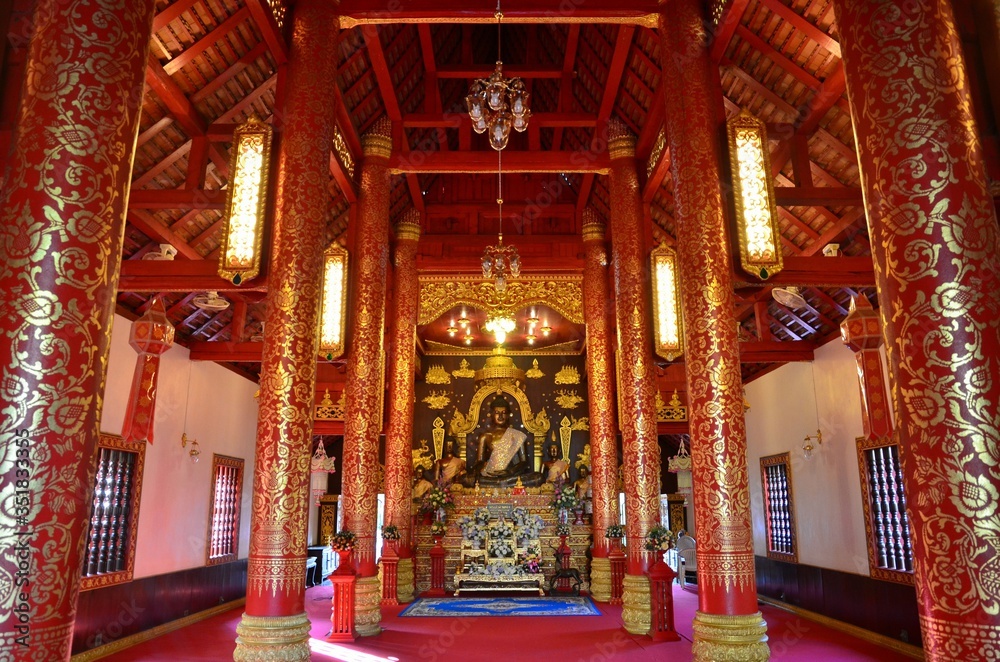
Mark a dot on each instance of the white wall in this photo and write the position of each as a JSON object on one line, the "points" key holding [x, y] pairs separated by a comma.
{"points": [[787, 404], [214, 406]]}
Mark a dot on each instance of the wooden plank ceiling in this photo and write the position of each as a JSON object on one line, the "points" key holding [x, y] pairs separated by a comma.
{"points": [[213, 63]]}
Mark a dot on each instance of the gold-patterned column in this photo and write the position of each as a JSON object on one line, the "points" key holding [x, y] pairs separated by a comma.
{"points": [[62, 219], [600, 389], [399, 435], [936, 249], [728, 625], [274, 625], [363, 394], [636, 377]]}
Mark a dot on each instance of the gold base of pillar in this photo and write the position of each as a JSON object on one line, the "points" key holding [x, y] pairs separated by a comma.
{"points": [[722, 638], [600, 579], [404, 581], [368, 606], [635, 604], [272, 639]]}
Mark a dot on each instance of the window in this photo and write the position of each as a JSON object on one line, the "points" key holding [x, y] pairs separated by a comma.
{"points": [[114, 513], [890, 555], [224, 527], [776, 476]]}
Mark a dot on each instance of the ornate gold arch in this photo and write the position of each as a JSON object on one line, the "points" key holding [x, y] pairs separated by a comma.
{"points": [[563, 293], [537, 424]]}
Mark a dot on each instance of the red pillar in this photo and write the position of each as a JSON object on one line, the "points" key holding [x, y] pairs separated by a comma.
{"points": [[636, 379], [275, 618], [728, 624], [600, 388], [399, 435], [936, 250], [62, 218], [365, 372]]}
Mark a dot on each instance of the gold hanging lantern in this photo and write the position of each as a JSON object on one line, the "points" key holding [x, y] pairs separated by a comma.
{"points": [[333, 311], [246, 203], [753, 192], [668, 327]]}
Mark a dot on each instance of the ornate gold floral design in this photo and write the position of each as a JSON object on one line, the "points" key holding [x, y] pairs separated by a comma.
{"points": [[568, 374], [567, 399], [439, 294], [421, 457], [436, 374], [437, 399]]}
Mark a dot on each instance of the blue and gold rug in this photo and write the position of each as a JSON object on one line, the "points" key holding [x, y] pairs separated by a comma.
{"points": [[553, 606]]}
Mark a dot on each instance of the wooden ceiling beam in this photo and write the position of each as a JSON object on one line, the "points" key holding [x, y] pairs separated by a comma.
{"points": [[513, 161], [231, 71], [804, 25], [455, 120], [166, 162], [727, 26], [161, 234], [373, 12], [177, 199], [811, 271], [616, 70], [174, 99], [263, 16], [186, 56], [771, 53], [246, 101], [566, 79], [471, 71], [376, 55], [813, 196], [171, 13], [179, 276], [829, 93], [153, 130]]}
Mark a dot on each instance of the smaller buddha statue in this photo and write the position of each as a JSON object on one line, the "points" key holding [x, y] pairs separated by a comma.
{"points": [[449, 467], [585, 491], [554, 467]]}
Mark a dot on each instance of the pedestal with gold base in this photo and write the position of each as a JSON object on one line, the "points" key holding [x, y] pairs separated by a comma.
{"points": [[272, 639], [635, 604], [600, 579], [730, 638], [367, 606], [404, 580]]}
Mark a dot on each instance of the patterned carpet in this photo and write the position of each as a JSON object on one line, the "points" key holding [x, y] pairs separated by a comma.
{"points": [[553, 606]]}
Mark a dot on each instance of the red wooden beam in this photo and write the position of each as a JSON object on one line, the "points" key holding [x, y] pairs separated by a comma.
{"points": [[177, 199], [778, 58], [264, 18], [726, 28], [511, 71], [513, 161], [455, 121], [186, 56], [642, 12], [803, 25], [173, 98], [161, 234], [171, 13], [812, 196], [756, 351], [830, 92], [179, 276], [566, 79], [808, 271], [245, 352], [212, 86]]}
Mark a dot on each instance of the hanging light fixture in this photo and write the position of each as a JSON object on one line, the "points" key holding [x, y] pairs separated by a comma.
{"points": [[668, 330], [500, 325], [753, 191], [497, 105], [680, 465], [322, 466], [246, 201], [500, 262], [333, 311]]}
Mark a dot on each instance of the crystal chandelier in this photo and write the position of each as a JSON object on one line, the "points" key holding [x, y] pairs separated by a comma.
{"points": [[498, 104], [500, 262]]}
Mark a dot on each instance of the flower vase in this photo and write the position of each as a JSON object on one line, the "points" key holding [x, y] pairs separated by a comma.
{"points": [[439, 515], [579, 517], [563, 516], [344, 564]]}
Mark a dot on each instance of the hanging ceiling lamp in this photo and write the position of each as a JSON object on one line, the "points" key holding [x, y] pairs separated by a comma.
{"points": [[246, 202], [497, 104], [500, 262]]}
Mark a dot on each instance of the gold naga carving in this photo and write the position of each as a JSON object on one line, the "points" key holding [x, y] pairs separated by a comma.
{"points": [[562, 293], [437, 400], [436, 374], [422, 457], [568, 375]]}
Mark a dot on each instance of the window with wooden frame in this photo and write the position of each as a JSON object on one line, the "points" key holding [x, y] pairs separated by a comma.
{"points": [[109, 557], [776, 478], [887, 527], [224, 526]]}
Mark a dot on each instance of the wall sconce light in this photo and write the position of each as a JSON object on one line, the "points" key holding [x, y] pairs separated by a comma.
{"points": [[753, 193], [333, 312], [195, 450], [452, 330], [807, 447], [246, 202], [546, 330], [668, 329]]}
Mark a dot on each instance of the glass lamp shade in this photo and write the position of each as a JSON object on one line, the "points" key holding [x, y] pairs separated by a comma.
{"points": [[515, 266], [518, 97], [496, 89], [501, 284], [476, 102], [499, 132], [520, 123], [487, 267]]}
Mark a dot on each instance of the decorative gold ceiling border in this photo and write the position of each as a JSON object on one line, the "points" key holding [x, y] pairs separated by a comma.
{"points": [[562, 293], [569, 348], [647, 20]]}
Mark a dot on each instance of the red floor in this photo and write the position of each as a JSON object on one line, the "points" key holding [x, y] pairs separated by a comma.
{"points": [[554, 639]]}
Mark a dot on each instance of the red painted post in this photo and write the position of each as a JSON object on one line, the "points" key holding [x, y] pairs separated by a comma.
{"points": [[563, 554], [661, 591], [437, 570], [617, 558], [343, 579], [390, 561]]}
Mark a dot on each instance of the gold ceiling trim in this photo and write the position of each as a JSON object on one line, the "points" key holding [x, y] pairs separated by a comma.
{"points": [[569, 348], [439, 294], [650, 20]]}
